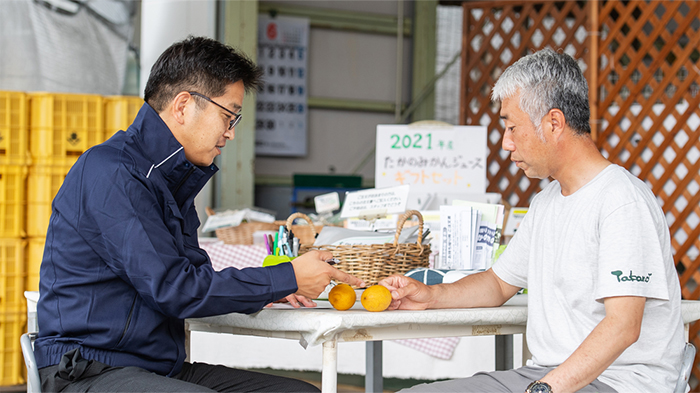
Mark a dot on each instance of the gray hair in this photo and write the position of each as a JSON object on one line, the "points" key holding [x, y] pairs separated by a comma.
{"points": [[547, 80]]}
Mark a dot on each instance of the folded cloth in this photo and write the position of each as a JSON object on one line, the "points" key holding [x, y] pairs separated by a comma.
{"points": [[337, 236], [440, 347], [240, 256]]}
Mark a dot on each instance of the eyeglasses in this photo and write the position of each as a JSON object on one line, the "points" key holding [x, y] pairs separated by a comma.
{"points": [[236, 116]]}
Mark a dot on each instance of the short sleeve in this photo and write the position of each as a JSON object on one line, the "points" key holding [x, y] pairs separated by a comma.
{"points": [[512, 265], [631, 259]]}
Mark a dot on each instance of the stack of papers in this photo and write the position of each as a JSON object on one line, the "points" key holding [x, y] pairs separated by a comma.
{"points": [[469, 235], [336, 236], [233, 218]]}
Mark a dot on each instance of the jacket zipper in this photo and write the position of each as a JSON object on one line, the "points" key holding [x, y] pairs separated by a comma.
{"points": [[128, 321]]}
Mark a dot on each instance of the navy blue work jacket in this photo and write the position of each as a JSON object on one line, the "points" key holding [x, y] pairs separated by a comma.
{"points": [[122, 267]]}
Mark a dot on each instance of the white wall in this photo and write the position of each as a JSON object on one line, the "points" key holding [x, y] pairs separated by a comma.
{"points": [[164, 22], [346, 65]]}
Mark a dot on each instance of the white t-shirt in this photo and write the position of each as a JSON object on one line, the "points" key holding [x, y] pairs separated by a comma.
{"points": [[609, 238]]}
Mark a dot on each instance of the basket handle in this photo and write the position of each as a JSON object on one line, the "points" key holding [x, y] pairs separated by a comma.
{"points": [[296, 215], [399, 226], [210, 211]]}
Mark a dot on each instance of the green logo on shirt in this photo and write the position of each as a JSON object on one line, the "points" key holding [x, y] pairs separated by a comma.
{"points": [[631, 277]]}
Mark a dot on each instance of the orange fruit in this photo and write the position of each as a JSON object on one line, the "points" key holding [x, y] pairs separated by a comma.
{"points": [[342, 297], [376, 298]]}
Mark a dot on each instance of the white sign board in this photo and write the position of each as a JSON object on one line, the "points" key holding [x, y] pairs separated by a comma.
{"points": [[375, 202], [432, 160], [281, 108], [326, 203]]}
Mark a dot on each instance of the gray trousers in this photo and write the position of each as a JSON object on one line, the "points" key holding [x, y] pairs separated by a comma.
{"points": [[75, 374], [509, 381]]}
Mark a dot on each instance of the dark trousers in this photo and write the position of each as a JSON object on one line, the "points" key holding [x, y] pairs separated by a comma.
{"points": [[92, 376]]}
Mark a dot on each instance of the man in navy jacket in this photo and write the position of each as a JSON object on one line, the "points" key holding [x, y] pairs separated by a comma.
{"points": [[122, 267]]}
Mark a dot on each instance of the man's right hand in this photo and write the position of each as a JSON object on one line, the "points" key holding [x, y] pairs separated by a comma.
{"points": [[313, 274], [407, 293]]}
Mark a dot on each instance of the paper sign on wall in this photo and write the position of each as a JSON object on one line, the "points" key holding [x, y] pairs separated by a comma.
{"points": [[375, 202], [432, 160], [281, 107]]}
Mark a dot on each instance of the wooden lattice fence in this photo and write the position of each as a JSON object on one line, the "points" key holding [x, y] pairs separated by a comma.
{"points": [[641, 61]]}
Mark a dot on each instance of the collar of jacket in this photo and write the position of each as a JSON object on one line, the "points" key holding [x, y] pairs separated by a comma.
{"points": [[166, 156]]}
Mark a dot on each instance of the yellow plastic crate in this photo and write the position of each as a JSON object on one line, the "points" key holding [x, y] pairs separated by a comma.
{"points": [[14, 128], [120, 112], [13, 184], [43, 183], [12, 275], [12, 370], [35, 254], [64, 126]]}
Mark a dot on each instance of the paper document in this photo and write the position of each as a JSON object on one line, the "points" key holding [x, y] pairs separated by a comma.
{"points": [[488, 233], [456, 237]]}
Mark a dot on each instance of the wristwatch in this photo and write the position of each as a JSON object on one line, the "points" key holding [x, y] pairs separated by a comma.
{"points": [[539, 387]]}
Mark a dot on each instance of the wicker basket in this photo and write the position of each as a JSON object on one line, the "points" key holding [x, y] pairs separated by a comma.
{"points": [[374, 262], [243, 233]]}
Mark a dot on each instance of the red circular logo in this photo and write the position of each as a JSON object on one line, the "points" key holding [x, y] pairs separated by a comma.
{"points": [[272, 31]]}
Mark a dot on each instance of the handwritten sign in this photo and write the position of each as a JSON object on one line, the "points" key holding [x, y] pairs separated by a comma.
{"points": [[375, 202], [439, 159]]}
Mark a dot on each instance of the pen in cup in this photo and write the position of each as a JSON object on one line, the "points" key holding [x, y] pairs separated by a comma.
{"points": [[267, 245], [295, 247]]}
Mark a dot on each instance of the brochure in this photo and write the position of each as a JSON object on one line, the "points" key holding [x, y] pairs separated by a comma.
{"points": [[489, 231]]}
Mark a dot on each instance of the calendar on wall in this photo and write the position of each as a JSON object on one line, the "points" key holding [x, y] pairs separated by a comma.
{"points": [[281, 107]]}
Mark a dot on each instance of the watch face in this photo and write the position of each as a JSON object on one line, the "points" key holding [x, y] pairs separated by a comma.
{"points": [[539, 387]]}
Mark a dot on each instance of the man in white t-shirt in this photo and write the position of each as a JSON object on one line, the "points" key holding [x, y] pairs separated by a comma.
{"points": [[593, 250]]}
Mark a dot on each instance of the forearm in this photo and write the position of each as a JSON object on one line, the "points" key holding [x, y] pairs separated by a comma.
{"points": [[613, 335], [483, 289]]}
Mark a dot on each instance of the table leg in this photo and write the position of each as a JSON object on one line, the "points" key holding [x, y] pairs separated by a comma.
{"points": [[187, 342], [374, 382], [504, 352], [329, 372]]}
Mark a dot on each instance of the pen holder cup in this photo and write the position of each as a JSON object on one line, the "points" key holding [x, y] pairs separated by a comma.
{"points": [[305, 233], [272, 260]]}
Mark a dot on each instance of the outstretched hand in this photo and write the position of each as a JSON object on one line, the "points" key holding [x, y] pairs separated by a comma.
{"points": [[313, 274], [407, 293], [296, 301]]}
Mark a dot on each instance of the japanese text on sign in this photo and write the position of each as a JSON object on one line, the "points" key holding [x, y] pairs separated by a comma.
{"points": [[432, 159], [387, 201]]}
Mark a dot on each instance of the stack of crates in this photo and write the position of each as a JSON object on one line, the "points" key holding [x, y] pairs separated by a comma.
{"points": [[61, 128], [41, 137], [120, 112], [14, 166]]}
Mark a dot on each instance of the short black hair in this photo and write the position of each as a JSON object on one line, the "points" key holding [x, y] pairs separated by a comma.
{"points": [[198, 64]]}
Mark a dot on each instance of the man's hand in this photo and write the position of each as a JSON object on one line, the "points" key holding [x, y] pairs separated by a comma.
{"points": [[314, 274], [295, 300], [407, 293]]}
